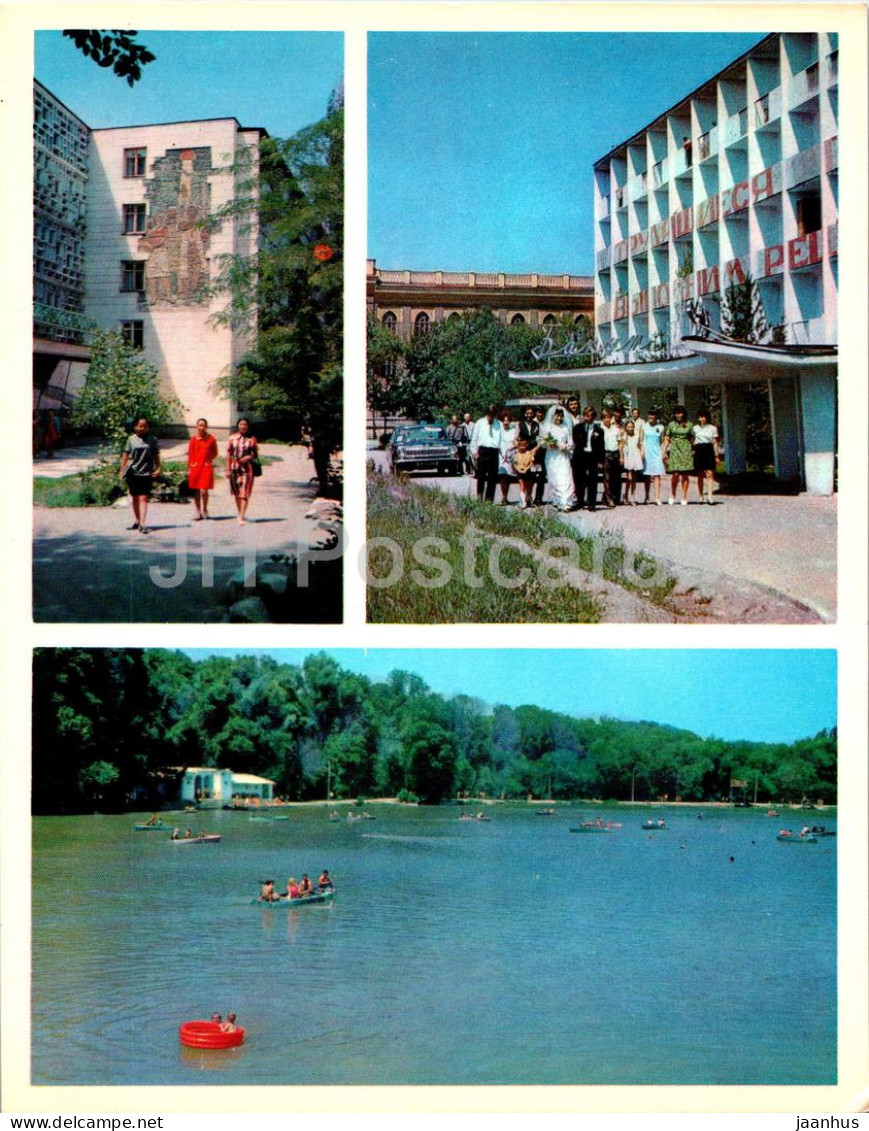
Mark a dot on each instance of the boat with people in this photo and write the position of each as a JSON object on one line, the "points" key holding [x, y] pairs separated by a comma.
{"points": [[654, 826], [546, 812], [786, 836], [474, 817], [360, 817], [196, 838], [322, 896], [149, 827], [209, 1035], [821, 830], [595, 827]]}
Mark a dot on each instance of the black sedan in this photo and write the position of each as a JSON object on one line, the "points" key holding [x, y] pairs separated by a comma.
{"points": [[422, 448]]}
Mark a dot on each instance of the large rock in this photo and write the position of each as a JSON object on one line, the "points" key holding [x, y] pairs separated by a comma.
{"points": [[251, 610]]}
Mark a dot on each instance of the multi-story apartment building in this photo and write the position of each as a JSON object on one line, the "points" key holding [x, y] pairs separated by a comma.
{"points": [[143, 252], [737, 180], [410, 301]]}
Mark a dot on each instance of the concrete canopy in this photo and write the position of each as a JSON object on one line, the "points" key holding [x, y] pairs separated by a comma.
{"points": [[710, 363]]}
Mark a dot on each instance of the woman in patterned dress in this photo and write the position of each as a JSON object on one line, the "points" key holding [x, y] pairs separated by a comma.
{"points": [[679, 453], [241, 451], [201, 454]]}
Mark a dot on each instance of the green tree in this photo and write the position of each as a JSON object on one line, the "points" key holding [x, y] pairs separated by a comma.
{"points": [[119, 386], [113, 48], [288, 294]]}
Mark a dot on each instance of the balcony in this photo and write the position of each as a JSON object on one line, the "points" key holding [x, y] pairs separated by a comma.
{"points": [[620, 307], [681, 167], [806, 252], [602, 313], [706, 213], [640, 304], [833, 240], [660, 296], [707, 145], [659, 233], [621, 197], [602, 208], [804, 86], [660, 174], [639, 244], [620, 252], [683, 288], [735, 130], [802, 167], [767, 111], [769, 261], [602, 259], [831, 155], [833, 68], [639, 186], [682, 223]]}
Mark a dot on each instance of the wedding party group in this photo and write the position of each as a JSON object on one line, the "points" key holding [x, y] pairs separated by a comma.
{"points": [[565, 453]]}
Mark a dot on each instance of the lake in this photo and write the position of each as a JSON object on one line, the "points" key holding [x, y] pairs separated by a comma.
{"points": [[455, 952]]}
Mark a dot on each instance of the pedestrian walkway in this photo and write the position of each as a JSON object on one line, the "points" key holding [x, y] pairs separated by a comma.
{"points": [[89, 566]]}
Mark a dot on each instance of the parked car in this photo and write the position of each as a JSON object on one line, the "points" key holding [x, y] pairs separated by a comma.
{"points": [[422, 447]]}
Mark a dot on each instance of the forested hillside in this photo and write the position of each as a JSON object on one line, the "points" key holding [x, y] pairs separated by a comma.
{"points": [[105, 719]]}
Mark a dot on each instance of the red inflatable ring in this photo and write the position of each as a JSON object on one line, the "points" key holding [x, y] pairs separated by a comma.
{"points": [[208, 1035]]}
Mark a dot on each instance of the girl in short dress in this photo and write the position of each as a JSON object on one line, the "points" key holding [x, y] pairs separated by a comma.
{"points": [[241, 451], [705, 455], [201, 454], [678, 453], [632, 460]]}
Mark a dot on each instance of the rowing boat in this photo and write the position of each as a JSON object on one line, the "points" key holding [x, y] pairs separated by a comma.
{"points": [[796, 838], [208, 838], [317, 897], [160, 828]]}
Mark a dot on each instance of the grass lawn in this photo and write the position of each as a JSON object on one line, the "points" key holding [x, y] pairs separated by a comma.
{"points": [[414, 579]]}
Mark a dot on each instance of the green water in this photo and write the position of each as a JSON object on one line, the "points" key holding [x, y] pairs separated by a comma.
{"points": [[509, 951]]}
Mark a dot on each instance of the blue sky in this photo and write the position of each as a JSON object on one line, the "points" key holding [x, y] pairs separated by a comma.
{"points": [[279, 81], [766, 695], [481, 145]]}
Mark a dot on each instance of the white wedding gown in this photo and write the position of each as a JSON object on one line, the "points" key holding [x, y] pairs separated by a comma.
{"points": [[558, 470]]}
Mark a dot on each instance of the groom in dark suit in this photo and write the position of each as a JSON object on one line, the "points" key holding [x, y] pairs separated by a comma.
{"points": [[588, 457]]}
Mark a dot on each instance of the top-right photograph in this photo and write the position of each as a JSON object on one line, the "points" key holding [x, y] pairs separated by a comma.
{"points": [[602, 328]]}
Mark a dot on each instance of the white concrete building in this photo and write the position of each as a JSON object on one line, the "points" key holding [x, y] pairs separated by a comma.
{"points": [[148, 259], [738, 179], [207, 785], [145, 252]]}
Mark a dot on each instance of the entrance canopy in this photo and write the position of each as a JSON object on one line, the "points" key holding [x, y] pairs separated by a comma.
{"points": [[710, 363]]}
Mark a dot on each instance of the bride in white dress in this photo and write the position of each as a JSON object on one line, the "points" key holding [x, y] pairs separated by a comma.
{"points": [[557, 438]]}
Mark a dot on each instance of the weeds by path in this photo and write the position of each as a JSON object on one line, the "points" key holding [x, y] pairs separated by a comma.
{"points": [[437, 559]]}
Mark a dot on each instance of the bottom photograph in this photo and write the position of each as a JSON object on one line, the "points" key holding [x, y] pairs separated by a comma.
{"points": [[435, 866]]}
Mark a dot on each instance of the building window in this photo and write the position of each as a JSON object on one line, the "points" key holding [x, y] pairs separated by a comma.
{"points": [[134, 219], [132, 276], [390, 322], [422, 323], [133, 333], [549, 320], [134, 162], [517, 320]]}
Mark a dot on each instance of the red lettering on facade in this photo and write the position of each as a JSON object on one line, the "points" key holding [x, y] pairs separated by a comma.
{"points": [[734, 271], [735, 199], [639, 242], [707, 211], [640, 304], [620, 251], [831, 154], [773, 260], [661, 295], [681, 223], [805, 251], [620, 307], [707, 280]]}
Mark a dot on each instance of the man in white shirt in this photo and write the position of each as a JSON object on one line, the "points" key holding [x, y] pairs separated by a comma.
{"points": [[486, 450], [612, 466]]}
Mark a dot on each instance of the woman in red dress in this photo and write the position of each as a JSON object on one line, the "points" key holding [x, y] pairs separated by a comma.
{"points": [[241, 451], [201, 455]]}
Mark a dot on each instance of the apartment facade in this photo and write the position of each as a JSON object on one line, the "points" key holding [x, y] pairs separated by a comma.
{"points": [[409, 302], [738, 180], [147, 251]]}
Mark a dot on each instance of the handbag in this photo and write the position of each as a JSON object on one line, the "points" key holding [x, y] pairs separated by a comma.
{"points": [[257, 468]]}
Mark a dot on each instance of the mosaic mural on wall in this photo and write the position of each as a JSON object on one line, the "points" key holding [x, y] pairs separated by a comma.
{"points": [[178, 194]]}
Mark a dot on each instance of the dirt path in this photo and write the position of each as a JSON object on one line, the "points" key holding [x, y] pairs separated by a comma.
{"points": [[88, 566]]}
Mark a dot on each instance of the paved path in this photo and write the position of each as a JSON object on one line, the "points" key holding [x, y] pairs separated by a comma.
{"points": [[779, 542], [88, 566]]}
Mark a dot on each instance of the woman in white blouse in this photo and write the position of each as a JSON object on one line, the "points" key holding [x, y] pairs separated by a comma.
{"points": [[705, 455]]}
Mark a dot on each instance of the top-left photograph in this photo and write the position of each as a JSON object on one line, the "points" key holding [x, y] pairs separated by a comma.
{"points": [[188, 279]]}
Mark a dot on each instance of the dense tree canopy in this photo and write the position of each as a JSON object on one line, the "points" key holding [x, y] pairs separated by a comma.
{"points": [[105, 721]]}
